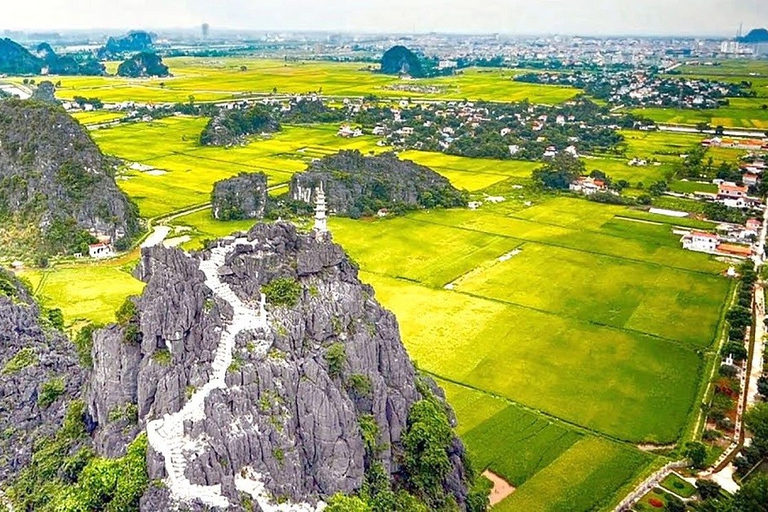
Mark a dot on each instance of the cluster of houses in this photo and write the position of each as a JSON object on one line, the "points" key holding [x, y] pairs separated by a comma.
{"points": [[734, 143], [643, 89], [712, 243], [589, 186], [733, 195]]}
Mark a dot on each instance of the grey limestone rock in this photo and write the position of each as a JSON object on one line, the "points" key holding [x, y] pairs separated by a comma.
{"points": [[31, 356], [357, 185], [285, 412], [241, 197]]}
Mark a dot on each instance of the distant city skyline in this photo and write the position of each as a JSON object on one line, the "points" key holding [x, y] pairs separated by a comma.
{"points": [[513, 17]]}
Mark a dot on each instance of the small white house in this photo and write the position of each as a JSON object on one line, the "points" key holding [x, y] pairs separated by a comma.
{"points": [[100, 251], [700, 241]]}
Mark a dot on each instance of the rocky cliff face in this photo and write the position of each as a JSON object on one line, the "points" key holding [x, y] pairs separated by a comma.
{"points": [[241, 197], [55, 183], [255, 366], [358, 185], [39, 376], [143, 65]]}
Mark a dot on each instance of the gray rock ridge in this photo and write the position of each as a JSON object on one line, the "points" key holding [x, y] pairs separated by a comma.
{"points": [[356, 185], [32, 358], [241, 197], [280, 424]]}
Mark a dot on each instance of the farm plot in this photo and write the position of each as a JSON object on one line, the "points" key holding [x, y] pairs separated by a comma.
{"points": [[207, 79], [97, 117], [665, 302], [741, 113], [583, 478], [427, 253], [84, 292], [622, 383], [472, 174]]}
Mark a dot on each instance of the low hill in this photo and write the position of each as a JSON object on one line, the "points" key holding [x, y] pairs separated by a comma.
{"points": [[143, 65], [758, 35], [232, 127], [357, 185], [57, 190], [399, 60], [136, 41]]}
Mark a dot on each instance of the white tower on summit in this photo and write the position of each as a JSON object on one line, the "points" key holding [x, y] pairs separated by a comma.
{"points": [[321, 218]]}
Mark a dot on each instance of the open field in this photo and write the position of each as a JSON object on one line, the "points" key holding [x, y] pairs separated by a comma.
{"points": [[530, 441], [472, 173], [619, 169], [97, 117], [84, 292], [212, 79], [572, 369], [584, 478], [741, 113], [184, 171]]}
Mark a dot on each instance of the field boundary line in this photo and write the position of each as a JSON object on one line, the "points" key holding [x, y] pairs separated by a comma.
{"points": [[549, 416], [551, 244]]}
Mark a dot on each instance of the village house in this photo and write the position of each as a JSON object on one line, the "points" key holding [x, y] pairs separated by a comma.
{"points": [[588, 186], [700, 241], [750, 179], [711, 243], [100, 251], [347, 131]]}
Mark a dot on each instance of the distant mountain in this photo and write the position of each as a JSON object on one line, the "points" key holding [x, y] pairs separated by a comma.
{"points": [[142, 65], [136, 41], [57, 190], [399, 60], [17, 60], [66, 65], [758, 35]]}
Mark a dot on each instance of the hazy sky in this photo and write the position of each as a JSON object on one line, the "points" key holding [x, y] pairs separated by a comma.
{"points": [[683, 17]]}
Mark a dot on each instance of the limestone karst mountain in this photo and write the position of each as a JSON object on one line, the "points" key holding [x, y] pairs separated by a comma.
{"points": [[57, 190], [241, 197], [357, 185], [258, 374]]}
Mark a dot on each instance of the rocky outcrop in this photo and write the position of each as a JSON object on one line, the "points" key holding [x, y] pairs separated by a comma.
{"points": [[230, 127], [399, 60], [46, 93], [241, 197], [39, 376], [260, 358], [56, 187], [358, 185], [143, 65]]}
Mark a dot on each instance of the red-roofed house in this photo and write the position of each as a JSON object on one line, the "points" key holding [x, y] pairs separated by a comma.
{"points": [[750, 178]]}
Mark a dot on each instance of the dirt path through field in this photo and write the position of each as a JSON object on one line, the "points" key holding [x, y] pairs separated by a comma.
{"points": [[501, 488]]}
